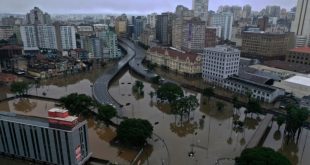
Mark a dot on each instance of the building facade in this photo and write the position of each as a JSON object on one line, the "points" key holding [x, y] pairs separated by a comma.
{"points": [[210, 39], [110, 46], [301, 25], [299, 56], [194, 34], [200, 8], [225, 21], [37, 17], [68, 38], [264, 45], [6, 32], [164, 28], [59, 139], [220, 63], [188, 64]]}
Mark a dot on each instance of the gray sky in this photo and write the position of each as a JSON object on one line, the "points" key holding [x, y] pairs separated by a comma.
{"points": [[125, 6]]}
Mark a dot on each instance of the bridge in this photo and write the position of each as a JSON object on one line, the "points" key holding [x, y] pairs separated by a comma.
{"points": [[260, 131]]}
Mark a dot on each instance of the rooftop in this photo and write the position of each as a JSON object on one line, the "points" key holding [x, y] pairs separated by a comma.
{"points": [[301, 50], [302, 80], [174, 53], [288, 66]]}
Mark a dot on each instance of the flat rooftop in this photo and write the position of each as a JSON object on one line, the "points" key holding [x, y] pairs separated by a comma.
{"points": [[302, 50], [301, 80]]}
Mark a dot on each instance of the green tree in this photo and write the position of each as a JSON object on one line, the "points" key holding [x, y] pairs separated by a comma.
{"points": [[169, 92], [138, 87], [77, 104], [280, 120], [208, 92], [20, 87], [261, 156], [253, 106], [106, 112], [295, 119], [134, 132], [156, 80], [220, 105], [185, 105]]}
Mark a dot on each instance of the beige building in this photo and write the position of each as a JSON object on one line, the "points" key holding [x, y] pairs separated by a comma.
{"points": [[188, 64], [266, 46], [6, 32], [299, 56], [121, 25]]}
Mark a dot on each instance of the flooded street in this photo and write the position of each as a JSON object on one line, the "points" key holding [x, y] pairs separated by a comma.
{"points": [[208, 135]]}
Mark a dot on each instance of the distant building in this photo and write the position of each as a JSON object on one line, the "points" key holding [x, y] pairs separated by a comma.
{"points": [[220, 63], [210, 39], [225, 20], [121, 25], [147, 36], [261, 45], [246, 12], [85, 30], [58, 139], [164, 28], [6, 32], [138, 26], [110, 46], [299, 56], [194, 34], [262, 23], [68, 38], [188, 64], [151, 20], [37, 17], [200, 8]]}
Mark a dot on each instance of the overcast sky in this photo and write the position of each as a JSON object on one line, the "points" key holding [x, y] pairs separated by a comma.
{"points": [[125, 6]]}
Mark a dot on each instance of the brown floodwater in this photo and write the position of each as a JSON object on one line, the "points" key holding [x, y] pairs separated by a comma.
{"points": [[208, 133]]}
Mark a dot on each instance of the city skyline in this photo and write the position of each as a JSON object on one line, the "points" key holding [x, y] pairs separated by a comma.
{"points": [[136, 7]]}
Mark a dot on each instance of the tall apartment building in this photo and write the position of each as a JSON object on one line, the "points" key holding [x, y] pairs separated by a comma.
{"points": [[220, 63], [225, 21], [36, 16], [194, 33], [200, 8], [301, 25], [68, 38], [110, 46], [121, 25], [40, 36], [151, 20], [181, 14], [164, 28], [138, 26], [59, 139], [93, 45], [264, 45]]}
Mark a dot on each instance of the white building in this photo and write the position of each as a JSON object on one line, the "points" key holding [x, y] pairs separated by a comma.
{"points": [[301, 25], [68, 38], [200, 8], [110, 48], [219, 63], [28, 34], [151, 19], [41, 36], [225, 20]]}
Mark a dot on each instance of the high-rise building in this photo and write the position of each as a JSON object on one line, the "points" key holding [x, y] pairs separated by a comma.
{"points": [[41, 36], [200, 8], [273, 11], [181, 14], [110, 47], [246, 12], [194, 33], [138, 26], [68, 38], [301, 25], [220, 63], [36, 16], [58, 139], [164, 28], [151, 20], [225, 20], [121, 25]]}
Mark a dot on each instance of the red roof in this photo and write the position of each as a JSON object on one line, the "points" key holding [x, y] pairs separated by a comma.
{"points": [[8, 78], [10, 47], [174, 53], [301, 50]]}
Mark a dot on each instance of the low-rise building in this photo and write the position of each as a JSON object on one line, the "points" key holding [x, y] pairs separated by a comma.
{"points": [[6, 32], [186, 63], [299, 56], [58, 139]]}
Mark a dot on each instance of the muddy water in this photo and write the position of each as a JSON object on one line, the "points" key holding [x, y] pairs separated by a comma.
{"points": [[208, 133]]}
